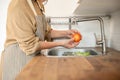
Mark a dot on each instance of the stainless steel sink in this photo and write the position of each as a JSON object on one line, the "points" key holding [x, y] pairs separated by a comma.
{"points": [[63, 52]]}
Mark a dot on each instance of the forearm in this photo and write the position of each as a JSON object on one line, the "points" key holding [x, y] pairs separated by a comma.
{"points": [[69, 43], [58, 34], [47, 45]]}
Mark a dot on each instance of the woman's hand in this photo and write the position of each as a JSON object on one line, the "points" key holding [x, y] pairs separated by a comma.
{"points": [[63, 33], [69, 43], [71, 32]]}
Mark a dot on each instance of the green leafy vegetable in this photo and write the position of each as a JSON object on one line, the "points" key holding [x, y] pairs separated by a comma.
{"points": [[76, 53], [82, 53]]}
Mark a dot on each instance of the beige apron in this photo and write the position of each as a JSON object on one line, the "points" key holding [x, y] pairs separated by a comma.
{"points": [[14, 59]]}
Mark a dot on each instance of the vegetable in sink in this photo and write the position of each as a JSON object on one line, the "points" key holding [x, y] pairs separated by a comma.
{"points": [[82, 53], [76, 53]]}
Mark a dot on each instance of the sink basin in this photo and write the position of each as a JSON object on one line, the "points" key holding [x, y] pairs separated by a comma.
{"points": [[63, 52]]}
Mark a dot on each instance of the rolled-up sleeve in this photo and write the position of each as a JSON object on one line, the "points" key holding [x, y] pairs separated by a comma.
{"points": [[23, 27]]}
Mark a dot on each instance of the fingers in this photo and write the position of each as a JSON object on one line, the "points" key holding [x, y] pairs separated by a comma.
{"points": [[74, 44], [72, 40], [70, 43], [71, 32], [69, 36], [75, 31]]}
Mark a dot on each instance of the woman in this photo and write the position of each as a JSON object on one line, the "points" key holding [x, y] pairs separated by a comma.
{"points": [[27, 31]]}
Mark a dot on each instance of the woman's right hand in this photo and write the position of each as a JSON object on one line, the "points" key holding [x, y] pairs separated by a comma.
{"points": [[69, 43]]}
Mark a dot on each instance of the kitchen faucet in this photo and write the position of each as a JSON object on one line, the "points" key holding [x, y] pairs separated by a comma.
{"points": [[102, 41]]}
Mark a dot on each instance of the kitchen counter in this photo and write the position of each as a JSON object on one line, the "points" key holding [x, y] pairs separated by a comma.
{"points": [[105, 67]]}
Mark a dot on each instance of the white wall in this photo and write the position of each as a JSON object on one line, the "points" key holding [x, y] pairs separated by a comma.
{"points": [[115, 30], [3, 15]]}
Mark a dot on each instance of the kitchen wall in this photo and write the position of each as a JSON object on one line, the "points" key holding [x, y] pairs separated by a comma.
{"points": [[115, 30]]}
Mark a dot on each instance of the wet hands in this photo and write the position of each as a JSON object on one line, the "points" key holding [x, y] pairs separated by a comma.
{"points": [[69, 33], [70, 42]]}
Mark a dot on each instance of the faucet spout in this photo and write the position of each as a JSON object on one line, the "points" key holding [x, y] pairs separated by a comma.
{"points": [[103, 41]]}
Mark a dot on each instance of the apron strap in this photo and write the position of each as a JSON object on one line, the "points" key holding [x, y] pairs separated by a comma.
{"points": [[32, 6]]}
